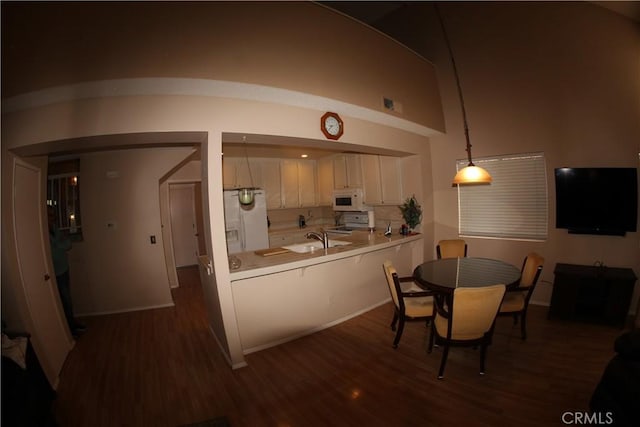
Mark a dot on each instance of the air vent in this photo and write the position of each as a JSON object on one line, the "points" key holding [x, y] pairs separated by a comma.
{"points": [[391, 105]]}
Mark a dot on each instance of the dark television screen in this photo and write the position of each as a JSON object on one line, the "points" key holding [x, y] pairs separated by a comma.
{"points": [[597, 200]]}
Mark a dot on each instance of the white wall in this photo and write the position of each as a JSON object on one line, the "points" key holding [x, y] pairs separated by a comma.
{"points": [[116, 268], [121, 96], [556, 77]]}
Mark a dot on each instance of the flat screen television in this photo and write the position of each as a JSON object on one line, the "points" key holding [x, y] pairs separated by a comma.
{"points": [[597, 200]]}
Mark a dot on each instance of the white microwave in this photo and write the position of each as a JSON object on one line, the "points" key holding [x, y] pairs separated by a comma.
{"points": [[348, 199]]}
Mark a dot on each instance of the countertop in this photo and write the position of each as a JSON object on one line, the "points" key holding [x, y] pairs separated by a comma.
{"points": [[253, 265]]}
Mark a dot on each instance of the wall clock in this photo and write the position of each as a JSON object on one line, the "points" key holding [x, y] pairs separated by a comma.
{"points": [[331, 125]]}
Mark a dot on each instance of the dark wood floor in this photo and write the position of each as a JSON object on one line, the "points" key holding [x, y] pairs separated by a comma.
{"points": [[162, 368]]}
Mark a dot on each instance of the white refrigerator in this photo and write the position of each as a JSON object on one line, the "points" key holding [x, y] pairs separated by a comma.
{"points": [[246, 226]]}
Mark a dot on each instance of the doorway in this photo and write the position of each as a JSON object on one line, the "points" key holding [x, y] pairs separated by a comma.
{"points": [[185, 207], [49, 332]]}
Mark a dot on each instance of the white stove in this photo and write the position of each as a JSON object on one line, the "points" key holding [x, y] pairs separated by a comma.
{"points": [[353, 221]]}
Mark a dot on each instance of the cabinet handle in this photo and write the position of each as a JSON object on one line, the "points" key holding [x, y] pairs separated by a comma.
{"points": [[46, 277]]}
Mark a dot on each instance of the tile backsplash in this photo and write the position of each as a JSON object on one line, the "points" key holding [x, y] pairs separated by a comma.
{"points": [[282, 219], [288, 218]]}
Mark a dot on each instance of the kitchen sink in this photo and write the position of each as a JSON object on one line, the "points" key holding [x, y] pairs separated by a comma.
{"points": [[307, 247]]}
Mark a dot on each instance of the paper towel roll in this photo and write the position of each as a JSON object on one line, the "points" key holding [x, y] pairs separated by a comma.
{"points": [[372, 219]]}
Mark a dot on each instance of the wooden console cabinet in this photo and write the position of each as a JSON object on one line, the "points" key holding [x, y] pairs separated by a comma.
{"points": [[593, 294]]}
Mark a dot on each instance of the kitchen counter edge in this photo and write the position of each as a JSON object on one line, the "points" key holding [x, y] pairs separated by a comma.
{"points": [[361, 242]]}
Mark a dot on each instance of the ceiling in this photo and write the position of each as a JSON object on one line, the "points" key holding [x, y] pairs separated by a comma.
{"points": [[368, 12], [270, 146], [371, 12]]}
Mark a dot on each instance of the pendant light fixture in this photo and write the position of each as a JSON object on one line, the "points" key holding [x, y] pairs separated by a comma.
{"points": [[245, 194], [471, 174]]}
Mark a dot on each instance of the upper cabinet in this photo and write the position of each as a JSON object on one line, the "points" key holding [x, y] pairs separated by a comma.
{"points": [[382, 178], [272, 182], [236, 173], [325, 181], [307, 183], [296, 183], [371, 177], [347, 171], [391, 180], [290, 184]]}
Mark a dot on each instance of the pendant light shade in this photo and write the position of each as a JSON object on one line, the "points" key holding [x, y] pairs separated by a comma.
{"points": [[245, 196], [471, 174]]}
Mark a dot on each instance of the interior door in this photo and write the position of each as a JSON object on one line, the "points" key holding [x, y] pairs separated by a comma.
{"points": [[183, 224], [197, 198], [49, 332]]}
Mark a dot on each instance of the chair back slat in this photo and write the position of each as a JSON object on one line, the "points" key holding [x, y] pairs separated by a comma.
{"points": [[454, 248]]}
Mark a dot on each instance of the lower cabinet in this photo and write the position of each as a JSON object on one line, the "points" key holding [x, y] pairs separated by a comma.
{"points": [[275, 308], [593, 294]]}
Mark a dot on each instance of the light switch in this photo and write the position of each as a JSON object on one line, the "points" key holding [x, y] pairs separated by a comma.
{"points": [[153, 240]]}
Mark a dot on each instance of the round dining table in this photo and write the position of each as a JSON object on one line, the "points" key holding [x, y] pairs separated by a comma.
{"points": [[445, 275]]}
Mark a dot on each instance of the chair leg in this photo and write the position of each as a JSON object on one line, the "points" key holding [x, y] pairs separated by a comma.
{"points": [[395, 319], [399, 332], [515, 318], [431, 333], [523, 325], [483, 353], [443, 362]]}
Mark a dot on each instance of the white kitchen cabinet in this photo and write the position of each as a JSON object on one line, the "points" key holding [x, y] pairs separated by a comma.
{"points": [[391, 180], [249, 177], [325, 181], [382, 180], [371, 179], [271, 182], [347, 171], [229, 172], [298, 183], [236, 173], [307, 183], [290, 184]]}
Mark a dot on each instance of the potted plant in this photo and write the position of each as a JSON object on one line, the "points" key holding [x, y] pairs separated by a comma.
{"points": [[411, 212]]}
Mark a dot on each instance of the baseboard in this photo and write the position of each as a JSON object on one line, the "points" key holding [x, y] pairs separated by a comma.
{"points": [[102, 313], [314, 330]]}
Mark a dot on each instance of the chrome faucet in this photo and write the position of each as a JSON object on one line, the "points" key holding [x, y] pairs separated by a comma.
{"points": [[323, 237]]}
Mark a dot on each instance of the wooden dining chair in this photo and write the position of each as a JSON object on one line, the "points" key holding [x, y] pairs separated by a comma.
{"points": [[467, 320], [410, 302], [516, 301], [454, 248]]}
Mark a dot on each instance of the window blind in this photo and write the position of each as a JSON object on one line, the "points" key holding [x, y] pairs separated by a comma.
{"points": [[513, 206]]}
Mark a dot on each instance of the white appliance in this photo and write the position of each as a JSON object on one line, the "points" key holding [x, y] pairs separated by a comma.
{"points": [[246, 226], [349, 199], [353, 221]]}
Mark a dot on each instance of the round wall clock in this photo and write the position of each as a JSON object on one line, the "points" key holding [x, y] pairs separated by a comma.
{"points": [[331, 125]]}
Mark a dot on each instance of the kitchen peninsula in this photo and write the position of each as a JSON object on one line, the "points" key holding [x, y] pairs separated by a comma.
{"points": [[282, 297]]}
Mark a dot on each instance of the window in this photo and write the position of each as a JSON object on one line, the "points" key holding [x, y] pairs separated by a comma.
{"points": [[63, 193], [513, 206]]}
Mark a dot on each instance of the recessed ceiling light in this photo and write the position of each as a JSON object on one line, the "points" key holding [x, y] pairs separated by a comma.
{"points": [[304, 156]]}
